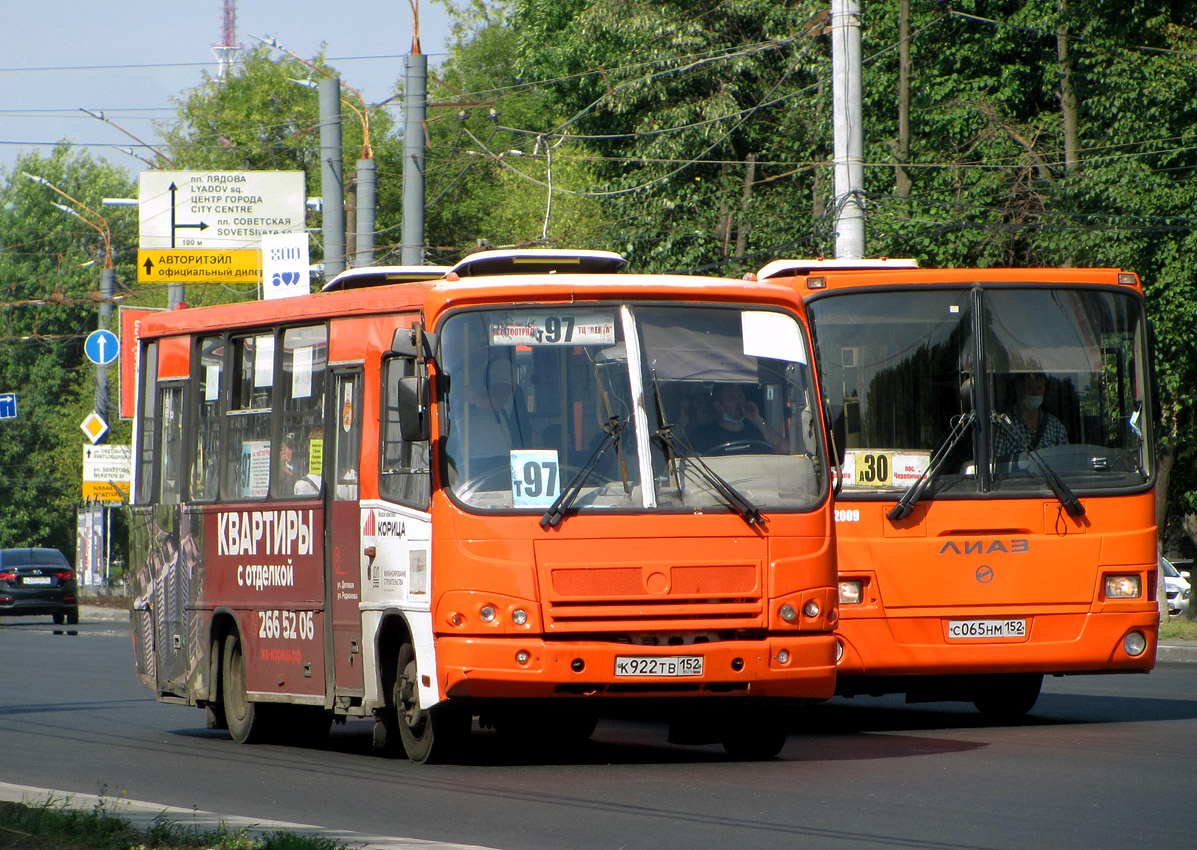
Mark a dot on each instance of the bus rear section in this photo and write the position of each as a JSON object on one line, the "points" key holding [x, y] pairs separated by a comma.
{"points": [[523, 511], [996, 517]]}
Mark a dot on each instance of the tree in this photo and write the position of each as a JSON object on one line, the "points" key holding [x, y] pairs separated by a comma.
{"points": [[678, 98], [49, 268], [491, 185]]}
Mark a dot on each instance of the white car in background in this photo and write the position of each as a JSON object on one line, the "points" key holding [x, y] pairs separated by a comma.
{"points": [[1177, 588]]}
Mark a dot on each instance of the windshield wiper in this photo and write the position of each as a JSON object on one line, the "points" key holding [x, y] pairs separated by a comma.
{"points": [[915, 491], [1063, 494], [569, 493], [736, 500]]}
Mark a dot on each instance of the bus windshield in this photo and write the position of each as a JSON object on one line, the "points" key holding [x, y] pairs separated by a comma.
{"points": [[985, 389], [603, 399]]}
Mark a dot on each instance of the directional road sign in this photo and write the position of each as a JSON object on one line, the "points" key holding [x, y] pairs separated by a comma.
{"points": [[101, 347], [8, 405], [107, 471], [218, 209], [189, 265]]}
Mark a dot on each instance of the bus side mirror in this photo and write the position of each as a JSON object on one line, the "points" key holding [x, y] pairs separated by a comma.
{"points": [[414, 426]]}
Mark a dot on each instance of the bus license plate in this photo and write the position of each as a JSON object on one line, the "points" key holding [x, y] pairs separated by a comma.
{"points": [[971, 629], [658, 665]]}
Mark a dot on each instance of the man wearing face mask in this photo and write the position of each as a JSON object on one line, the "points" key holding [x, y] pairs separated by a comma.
{"points": [[1033, 425]]}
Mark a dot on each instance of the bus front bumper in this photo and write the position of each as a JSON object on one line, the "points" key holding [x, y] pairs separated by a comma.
{"points": [[1058, 643], [796, 667]]}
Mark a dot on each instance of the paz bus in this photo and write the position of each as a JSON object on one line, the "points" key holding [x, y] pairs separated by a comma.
{"points": [[479, 496], [995, 512]]}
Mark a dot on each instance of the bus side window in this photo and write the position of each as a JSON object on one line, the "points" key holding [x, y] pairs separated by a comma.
{"points": [[405, 466], [247, 450], [205, 458], [299, 455], [170, 450], [148, 426]]}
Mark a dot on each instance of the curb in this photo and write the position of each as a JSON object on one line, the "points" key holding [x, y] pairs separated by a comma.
{"points": [[94, 613], [142, 815], [1176, 652]]}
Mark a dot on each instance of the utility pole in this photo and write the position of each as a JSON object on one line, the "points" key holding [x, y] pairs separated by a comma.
{"points": [[848, 129], [332, 177], [415, 105]]}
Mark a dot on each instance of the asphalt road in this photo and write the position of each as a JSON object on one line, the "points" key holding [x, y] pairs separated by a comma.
{"points": [[1102, 762]]}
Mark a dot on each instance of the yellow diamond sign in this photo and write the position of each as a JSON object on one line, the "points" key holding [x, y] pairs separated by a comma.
{"points": [[94, 426]]}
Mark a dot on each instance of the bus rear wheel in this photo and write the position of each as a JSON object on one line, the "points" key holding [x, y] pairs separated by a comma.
{"points": [[429, 735], [1006, 698], [246, 720]]}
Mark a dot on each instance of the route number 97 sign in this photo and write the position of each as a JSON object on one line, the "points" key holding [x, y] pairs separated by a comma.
{"points": [[548, 328], [535, 477]]}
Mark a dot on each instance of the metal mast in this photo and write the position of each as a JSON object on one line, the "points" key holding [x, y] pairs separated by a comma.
{"points": [[227, 50]]}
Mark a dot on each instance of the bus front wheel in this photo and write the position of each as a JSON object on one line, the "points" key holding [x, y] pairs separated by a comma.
{"points": [[754, 735], [1007, 698], [428, 734], [245, 719]]}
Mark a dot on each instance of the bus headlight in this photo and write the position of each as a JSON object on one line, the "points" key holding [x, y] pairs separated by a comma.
{"points": [[487, 613], [519, 616], [811, 608], [1123, 587], [851, 592], [788, 613]]}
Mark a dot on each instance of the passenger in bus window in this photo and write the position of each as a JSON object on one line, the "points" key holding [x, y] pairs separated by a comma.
{"points": [[736, 420], [1034, 427], [307, 456]]}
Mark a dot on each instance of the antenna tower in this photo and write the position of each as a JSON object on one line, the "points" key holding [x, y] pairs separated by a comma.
{"points": [[227, 50]]}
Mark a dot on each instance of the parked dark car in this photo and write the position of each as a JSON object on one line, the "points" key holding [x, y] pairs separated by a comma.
{"points": [[38, 581]]}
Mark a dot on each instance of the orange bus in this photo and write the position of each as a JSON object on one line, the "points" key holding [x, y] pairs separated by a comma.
{"points": [[995, 512], [485, 496]]}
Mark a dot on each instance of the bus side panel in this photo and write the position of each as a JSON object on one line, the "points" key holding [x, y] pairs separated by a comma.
{"points": [[163, 586], [265, 563]]}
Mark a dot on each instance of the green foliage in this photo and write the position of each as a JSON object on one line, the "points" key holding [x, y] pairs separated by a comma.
{"points": [[50, 265], [487, 185], [676, 96]]}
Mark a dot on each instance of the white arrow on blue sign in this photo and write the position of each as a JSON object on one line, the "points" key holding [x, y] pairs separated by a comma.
{"points": [[101, 347], [8, 405]]}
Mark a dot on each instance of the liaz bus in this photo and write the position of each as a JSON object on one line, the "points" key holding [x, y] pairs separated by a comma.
{"points": [[996, 510], [486, 496]]}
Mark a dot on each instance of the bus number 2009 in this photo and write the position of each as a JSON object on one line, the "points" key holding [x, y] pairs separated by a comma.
{"points": [[288, 625]]}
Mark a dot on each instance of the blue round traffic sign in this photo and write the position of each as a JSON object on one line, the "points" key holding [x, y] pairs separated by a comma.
{"points": [[101, 347]]}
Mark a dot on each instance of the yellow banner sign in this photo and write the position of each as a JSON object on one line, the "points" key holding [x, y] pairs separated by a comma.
{"points": [[103, 491], [183, 265]]}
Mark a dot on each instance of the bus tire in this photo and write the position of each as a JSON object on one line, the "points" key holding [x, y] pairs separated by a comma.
{"points": [[245, 719], [755, 736], [429, 735], [1007, 698]]}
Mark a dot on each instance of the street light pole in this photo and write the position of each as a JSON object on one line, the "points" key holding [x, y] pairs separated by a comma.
{"points": [[367, 179]]}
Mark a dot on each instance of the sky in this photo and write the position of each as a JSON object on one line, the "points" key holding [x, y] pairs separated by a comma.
{"points": [[126, 60]]}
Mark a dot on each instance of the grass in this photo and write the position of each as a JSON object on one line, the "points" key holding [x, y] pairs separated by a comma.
{"points": [[1179, 628], [49, 826]]}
